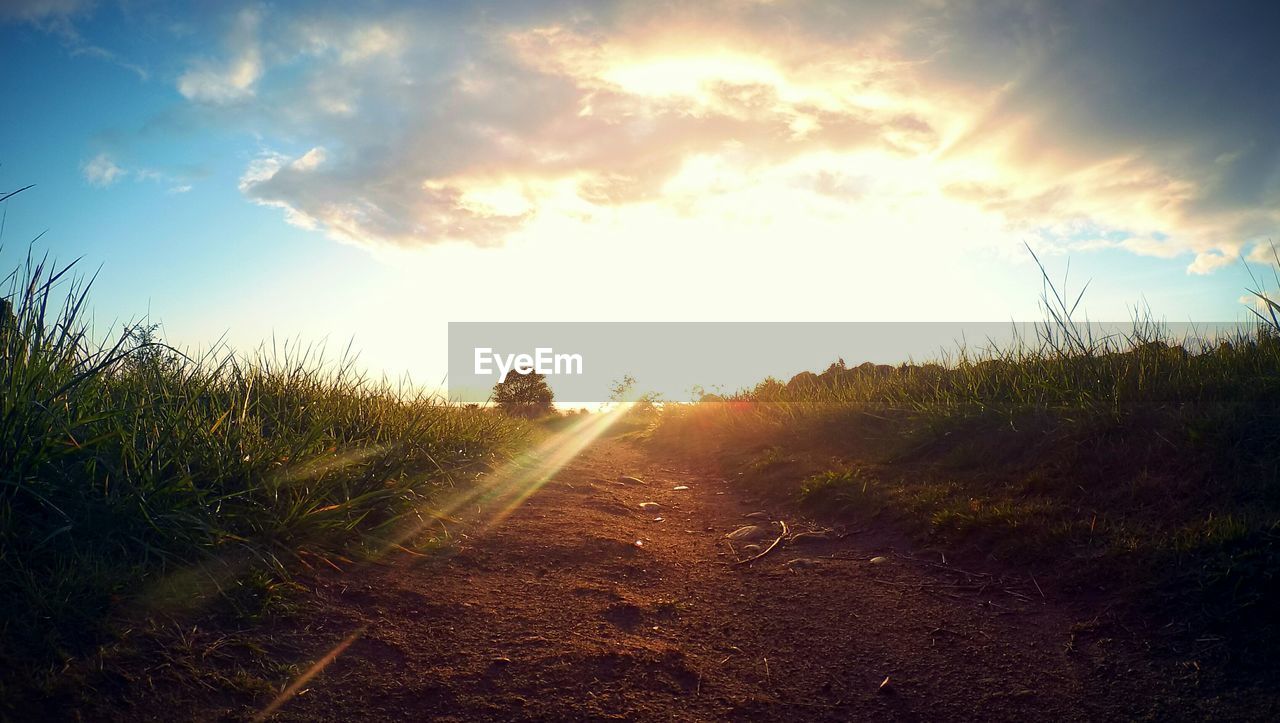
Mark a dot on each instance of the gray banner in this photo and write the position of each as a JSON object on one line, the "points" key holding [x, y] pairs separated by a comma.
{"points": [[584, 360]]}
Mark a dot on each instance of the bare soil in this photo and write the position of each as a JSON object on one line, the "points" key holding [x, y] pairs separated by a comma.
{"points": [[580, 605]]}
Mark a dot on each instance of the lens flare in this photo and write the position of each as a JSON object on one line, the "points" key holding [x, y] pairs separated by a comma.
{"points": [[495, 497], [325, 660]]}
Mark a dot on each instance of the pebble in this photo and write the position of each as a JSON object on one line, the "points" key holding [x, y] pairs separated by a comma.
{"points": [[650, 506]]}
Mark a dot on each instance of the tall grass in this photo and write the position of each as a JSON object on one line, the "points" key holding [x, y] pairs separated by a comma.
{"points": [[1152, 456], [124, 461], [1065, 364]]}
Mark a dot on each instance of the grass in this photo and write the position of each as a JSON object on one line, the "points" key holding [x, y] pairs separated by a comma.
{"points": [[1142, 463], [133, 476]]}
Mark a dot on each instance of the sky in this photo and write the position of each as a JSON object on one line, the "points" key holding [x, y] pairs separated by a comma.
{"points": [[365, 173]]}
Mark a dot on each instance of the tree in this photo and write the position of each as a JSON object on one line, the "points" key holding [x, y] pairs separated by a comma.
{"points": [[623, 392], [523, 395]]}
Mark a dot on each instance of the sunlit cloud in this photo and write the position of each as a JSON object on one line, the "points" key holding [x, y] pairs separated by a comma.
{"points": [[436, 127]]}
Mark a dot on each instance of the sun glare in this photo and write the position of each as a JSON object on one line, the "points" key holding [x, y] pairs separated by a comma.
{"points": [[690, 76], [494, 498], [504, 198]]}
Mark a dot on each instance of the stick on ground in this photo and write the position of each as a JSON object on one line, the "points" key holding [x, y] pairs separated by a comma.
{"points": [[768, 549]]}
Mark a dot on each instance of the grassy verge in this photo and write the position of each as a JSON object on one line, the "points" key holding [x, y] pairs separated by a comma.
{"points": [[133, 476], [1137, 466]]}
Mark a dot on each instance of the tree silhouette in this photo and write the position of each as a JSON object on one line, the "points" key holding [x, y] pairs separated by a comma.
{"points": [[523, 395]]}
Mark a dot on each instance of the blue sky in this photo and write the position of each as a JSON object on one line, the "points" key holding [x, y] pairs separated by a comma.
{"points": [[328, 171]]}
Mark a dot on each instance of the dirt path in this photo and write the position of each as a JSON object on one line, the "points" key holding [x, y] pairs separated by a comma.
{"points": [[581, 606]]}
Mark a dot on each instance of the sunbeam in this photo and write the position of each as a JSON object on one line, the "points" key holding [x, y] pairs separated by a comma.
{"points": [[495, 498], [496, 495], [325, 660]]}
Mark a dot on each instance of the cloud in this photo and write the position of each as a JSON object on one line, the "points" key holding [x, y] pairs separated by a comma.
{"points": [[220, 85], [1180, 91], [233, 79], [1207, 261], [1263, 302], [60, 18], [1147, 127], [309, 161], [473, 142], [52, 14], [1265, 252], [101, 171]]}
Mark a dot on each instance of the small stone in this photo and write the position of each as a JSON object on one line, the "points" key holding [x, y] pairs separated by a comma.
{"points": [[879, 560], [650, 506], [501, 661], [679, 488]]}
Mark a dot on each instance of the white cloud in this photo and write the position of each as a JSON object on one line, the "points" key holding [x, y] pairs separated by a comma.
{"points": [[225, 84], [1207, 261], [101, 171], [368, 42], [233, 79]]}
